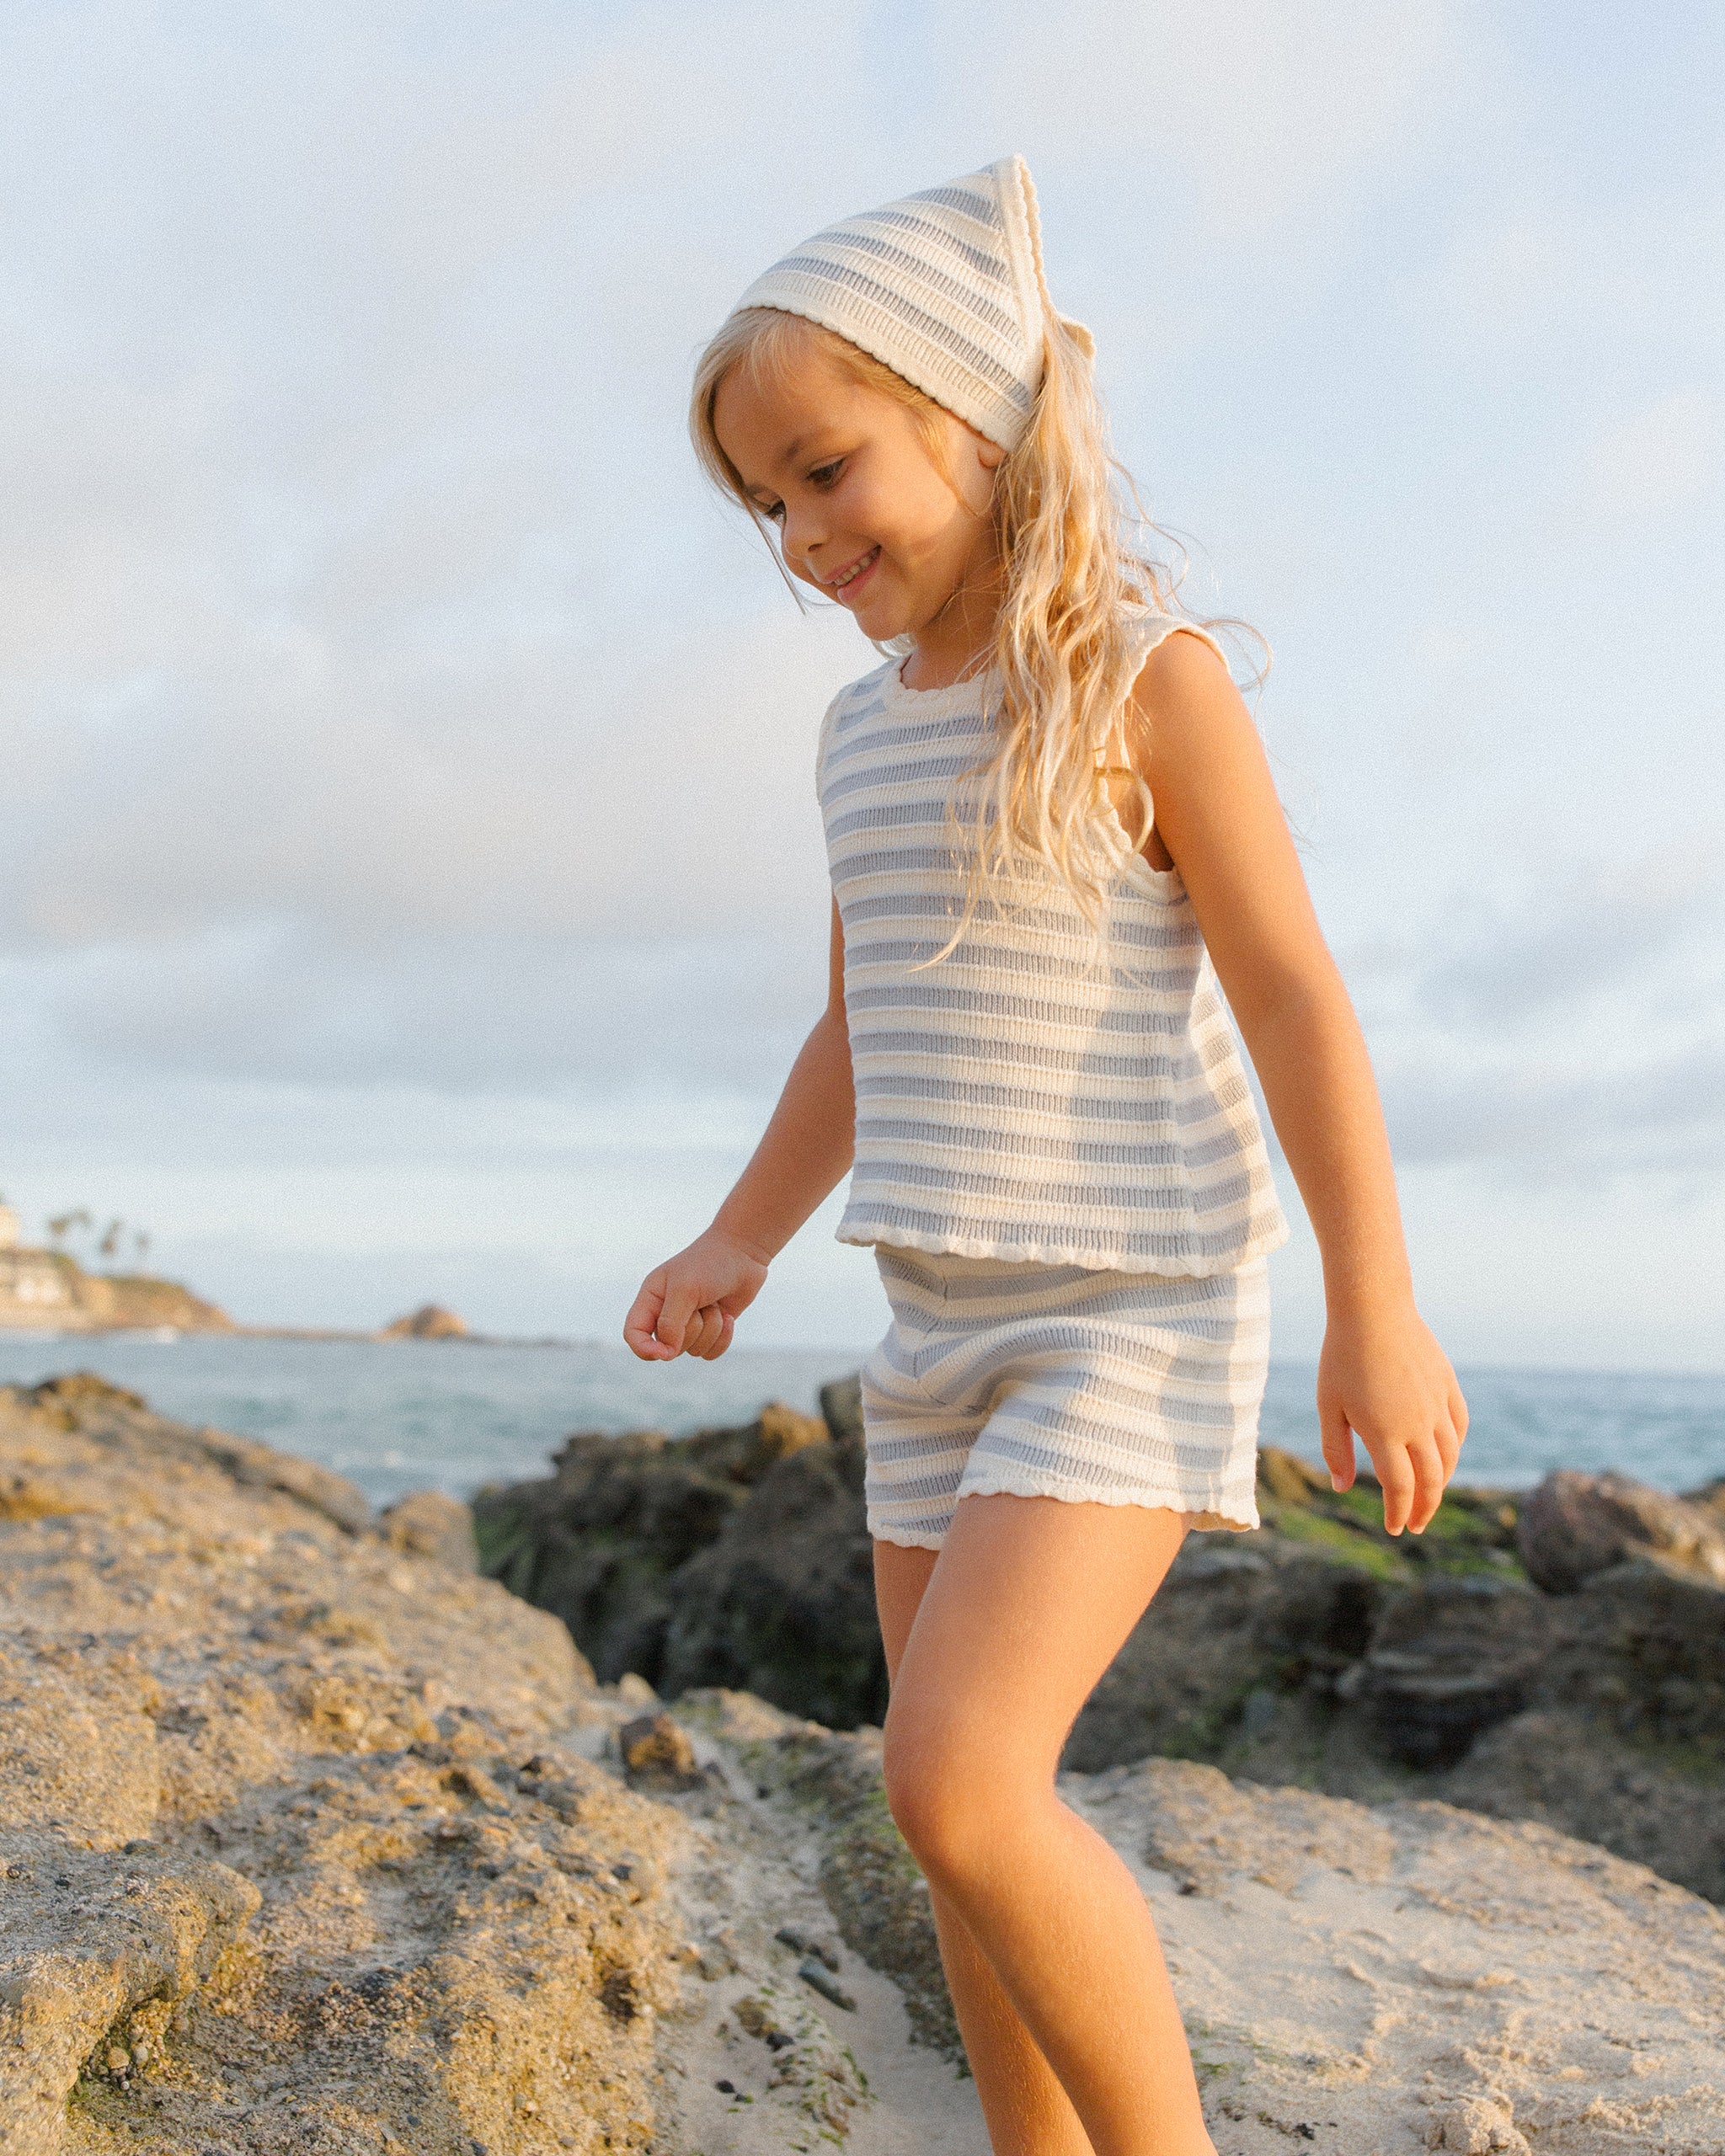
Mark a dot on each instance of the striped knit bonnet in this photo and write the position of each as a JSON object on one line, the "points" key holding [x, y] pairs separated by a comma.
{"points": [[946, 288]]}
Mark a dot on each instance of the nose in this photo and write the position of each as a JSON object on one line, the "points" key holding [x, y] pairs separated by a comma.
{"points": [[799, 534]]}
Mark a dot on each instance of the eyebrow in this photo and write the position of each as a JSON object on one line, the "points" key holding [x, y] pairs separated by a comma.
{"points": [[792, 452]]}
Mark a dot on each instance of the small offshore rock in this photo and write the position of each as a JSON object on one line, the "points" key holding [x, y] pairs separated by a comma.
{"points": [[430, 1322], [816, 1975], [657, 1754]]}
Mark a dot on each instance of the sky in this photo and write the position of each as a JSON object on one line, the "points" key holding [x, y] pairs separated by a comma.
{"points": [[411, 880]]}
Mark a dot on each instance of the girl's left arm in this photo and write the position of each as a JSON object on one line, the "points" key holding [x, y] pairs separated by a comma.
{"points": [[1382, 1376]]}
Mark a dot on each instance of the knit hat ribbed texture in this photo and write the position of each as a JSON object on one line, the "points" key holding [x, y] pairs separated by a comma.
{"points": [[945, 287]]}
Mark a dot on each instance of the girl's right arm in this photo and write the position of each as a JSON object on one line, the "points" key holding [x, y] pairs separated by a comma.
{"points": [[690, 1305]]}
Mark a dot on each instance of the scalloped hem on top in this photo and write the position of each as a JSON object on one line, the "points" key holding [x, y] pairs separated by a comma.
{"points": [[1230, 1514], [1270, 1238]]}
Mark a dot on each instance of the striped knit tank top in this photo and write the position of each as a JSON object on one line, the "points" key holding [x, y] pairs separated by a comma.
{"points": [[1016, 1100]]}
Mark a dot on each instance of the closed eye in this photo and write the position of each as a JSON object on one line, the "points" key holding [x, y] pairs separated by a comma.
{"points": [[824, 475]]}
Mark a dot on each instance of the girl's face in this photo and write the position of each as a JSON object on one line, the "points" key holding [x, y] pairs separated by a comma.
{"points": [[865, 513]]}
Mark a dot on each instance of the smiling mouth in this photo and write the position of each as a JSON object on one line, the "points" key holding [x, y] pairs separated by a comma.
{"points": [[857, 568]]}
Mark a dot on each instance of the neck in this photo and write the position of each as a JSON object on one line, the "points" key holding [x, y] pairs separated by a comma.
{"points": [[955, 641]]}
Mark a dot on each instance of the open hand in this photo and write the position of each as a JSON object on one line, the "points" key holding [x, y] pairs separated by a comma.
{"points": [[1386, 1380], [690, 1305]]}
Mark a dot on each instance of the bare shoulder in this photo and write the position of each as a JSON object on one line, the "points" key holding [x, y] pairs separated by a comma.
{"points": [[1184, 687], [1185, 663]]}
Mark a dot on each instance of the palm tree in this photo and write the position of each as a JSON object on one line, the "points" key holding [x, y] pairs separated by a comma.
{"points": [[109, 1243], [67, 1223]]}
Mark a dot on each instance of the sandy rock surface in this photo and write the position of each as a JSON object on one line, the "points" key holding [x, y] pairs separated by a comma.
{"points": [[312, 1844]]}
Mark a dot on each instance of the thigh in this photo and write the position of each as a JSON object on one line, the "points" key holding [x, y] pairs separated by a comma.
{"points": [[1029, 1601], [900, 1576]]}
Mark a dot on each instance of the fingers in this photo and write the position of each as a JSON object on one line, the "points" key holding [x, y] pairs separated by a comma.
{"points": [[1429, 1476], [643, 1316], [661, 1324], [1448, 1444], [709, 1333], [1338, 1440], [1458, 1411], [719, 1336], [1397, 1478], [678, 1309]]}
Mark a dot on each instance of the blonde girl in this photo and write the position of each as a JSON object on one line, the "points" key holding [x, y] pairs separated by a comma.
{"points": [[1052, 833]]}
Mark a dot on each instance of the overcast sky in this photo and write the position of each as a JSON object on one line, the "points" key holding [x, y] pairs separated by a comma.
{"points": [[410, 883]]}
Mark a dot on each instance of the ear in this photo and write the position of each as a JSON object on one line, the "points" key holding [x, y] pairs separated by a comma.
{"points": [[990, 455]]}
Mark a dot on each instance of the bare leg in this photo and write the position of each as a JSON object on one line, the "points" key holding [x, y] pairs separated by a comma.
{"points": [[1025, 1606], [1026, 2110]]}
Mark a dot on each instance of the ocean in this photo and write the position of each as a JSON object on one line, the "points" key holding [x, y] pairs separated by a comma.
{"points": [[404, 1415]]}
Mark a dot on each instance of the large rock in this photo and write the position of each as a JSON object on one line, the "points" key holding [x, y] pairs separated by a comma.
{"points": [[274, 1873], [600, 1541], [101, 1411], [1623, 1736], [1447, 1661], [783, 1604], [1574, 1525], [1240, 1625]]}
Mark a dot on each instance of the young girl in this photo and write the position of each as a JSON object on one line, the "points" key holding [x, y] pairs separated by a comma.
{"points": [[1052, 832]]}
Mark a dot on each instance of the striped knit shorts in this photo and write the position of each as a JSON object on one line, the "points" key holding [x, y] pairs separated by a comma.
{"points": [[999, 1377]]}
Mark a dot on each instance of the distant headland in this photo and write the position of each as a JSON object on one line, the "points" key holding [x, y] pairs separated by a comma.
{"points": [[49, 1288], [45, 1288]]}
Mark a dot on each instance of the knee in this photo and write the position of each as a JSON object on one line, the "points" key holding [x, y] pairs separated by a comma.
{"points": [[950, 1800]]}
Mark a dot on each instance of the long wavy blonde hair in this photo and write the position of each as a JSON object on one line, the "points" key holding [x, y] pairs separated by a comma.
{"points": [[1064, 655]]}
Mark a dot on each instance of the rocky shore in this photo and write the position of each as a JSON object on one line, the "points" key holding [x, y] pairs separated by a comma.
{"points": [[313, 1841], [1558, 1655]]}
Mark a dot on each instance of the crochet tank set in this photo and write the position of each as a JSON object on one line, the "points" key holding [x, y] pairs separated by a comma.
{"points": [[1057, 1161]]}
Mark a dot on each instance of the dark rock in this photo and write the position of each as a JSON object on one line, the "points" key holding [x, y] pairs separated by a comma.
{"points": [[1623, 1739], [783, 1604], [815, 1974], [656, 1754], [1643, 1649], [427, 1523], [1568, 1768], [599, 1542], [801, 1940], [842, 1405], [1574, 1525], [1446, 1661]]}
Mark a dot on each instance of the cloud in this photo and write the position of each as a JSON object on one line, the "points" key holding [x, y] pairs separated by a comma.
{"points": [[1560, 1120], [710, 1016], [1644, 926], [1665, 457], [1579, 1036], [1259, 111]]}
